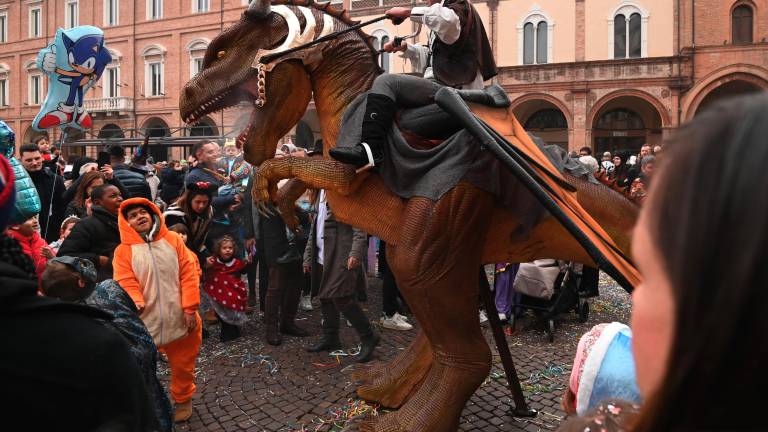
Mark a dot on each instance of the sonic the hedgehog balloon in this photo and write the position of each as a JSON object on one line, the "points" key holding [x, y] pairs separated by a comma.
{"points": [[74, 61]]}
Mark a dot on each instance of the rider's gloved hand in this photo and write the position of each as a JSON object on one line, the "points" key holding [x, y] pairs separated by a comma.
{"points": [[390, 46], [398, 14]]}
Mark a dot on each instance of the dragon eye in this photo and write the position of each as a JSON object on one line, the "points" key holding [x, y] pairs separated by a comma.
{"points": [[221, 54]]}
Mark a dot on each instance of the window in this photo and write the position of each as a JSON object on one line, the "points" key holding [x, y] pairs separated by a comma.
{"points": [[197, 66], [196, 50], [628, 28], [111, 12], [627, 36], [155, 84], [741, 24], [3, 27], [154, 9], [72, 14], [201, 5], [35, 88], [154, 65], [534, 38], [380, 39], [34, 22], [4, 92], [112, 82]]}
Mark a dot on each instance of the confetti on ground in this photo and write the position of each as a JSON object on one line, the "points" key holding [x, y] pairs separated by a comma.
{"points": [[336, 418]]}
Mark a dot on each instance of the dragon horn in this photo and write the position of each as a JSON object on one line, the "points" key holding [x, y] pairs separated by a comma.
{"points": [[259, 8]]}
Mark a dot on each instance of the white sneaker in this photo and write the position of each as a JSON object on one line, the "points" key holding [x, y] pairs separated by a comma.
{"points": [[402, 318], [483, 317], [349, 324], [502, 317], [394, 323], [305, 303]]}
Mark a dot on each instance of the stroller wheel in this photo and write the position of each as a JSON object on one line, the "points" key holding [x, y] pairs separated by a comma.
{"points": [[551, 330], [584, 312]]}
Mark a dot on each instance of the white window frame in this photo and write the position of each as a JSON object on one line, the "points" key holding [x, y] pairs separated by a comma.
{"points": [[196, 49], [148, 79], [108, 82], [39, 22], [107, 4], [153, 54], [4, 29], [70, 21], [5, 98], [34, 73], [195, 4], [159, 7], [5, 73], [628, 8], [535, 16], [380, 34]]}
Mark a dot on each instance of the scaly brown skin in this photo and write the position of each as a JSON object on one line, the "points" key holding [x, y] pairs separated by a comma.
{"points": [[436, 247]]}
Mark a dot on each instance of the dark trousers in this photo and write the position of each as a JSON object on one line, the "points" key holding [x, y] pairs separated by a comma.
{"points": [[258, 266], [390, 292]]}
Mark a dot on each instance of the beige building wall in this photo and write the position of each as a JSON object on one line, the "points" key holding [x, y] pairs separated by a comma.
{"points": [[513, 15], [658, 26]]}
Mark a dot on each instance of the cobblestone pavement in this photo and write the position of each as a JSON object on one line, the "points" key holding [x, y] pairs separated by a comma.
{"points": [[247, 385]]}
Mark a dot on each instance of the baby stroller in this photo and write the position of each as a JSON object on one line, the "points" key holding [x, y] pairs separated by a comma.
{"points": [[548, 288]]}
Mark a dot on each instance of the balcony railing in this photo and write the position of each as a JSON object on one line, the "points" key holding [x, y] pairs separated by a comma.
{"points": [[665, 69], [114, 104]]}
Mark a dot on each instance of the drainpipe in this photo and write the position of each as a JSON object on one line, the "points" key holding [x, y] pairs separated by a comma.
{"points": [[133, 58]]}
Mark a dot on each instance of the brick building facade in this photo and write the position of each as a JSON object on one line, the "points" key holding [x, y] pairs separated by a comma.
{"points": [[603, 73]]}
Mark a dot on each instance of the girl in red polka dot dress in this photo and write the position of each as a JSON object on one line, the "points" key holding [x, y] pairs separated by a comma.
{"points": [[224, 285]]}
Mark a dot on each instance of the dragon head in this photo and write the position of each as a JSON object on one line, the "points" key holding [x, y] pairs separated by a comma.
{"points": [[228, 78]]}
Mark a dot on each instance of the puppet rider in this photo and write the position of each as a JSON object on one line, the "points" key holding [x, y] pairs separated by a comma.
{"points": [[459, 55]]}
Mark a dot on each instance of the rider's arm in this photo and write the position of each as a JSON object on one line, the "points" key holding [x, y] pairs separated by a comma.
{"points": [[441, 20], [418, 56]]}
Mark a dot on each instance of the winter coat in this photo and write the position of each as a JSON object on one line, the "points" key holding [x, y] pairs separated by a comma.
{"points": [[95, 236], [197, 229], [110, 297], [171, 184], [341, 241], [63, 351], [32, 247], [27, 201], [134, 182], [159, 274], [50, 188], [220, 203]]}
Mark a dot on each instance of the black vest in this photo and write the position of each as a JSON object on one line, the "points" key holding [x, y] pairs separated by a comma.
{"points": [[457, 64]]}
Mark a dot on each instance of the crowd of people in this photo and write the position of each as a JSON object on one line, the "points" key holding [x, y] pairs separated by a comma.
{"points": [[172, 249], [125, 276]]}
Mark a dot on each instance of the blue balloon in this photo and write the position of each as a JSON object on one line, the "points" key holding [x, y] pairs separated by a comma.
{"points": [[27, 202], [74, 62]]}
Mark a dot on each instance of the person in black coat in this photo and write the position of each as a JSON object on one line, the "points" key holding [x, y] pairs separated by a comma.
{"points": [[96, 237], [61, 368], [134, 180], [50, 188], [171, 182]]}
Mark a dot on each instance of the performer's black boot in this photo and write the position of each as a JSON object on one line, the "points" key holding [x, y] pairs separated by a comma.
{"points": [[493, 96], [330, 340], [369, 337], [379, 113]]}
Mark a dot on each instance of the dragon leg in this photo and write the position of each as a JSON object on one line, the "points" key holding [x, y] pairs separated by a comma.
{"points": [[436, 262], [391, 384]]}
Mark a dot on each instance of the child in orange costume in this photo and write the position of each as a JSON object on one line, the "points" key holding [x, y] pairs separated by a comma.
{"points": [[153, 266]]}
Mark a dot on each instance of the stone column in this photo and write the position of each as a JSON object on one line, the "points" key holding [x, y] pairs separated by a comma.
{"points": [[580, 135], [580, 31], [493, 7]]}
